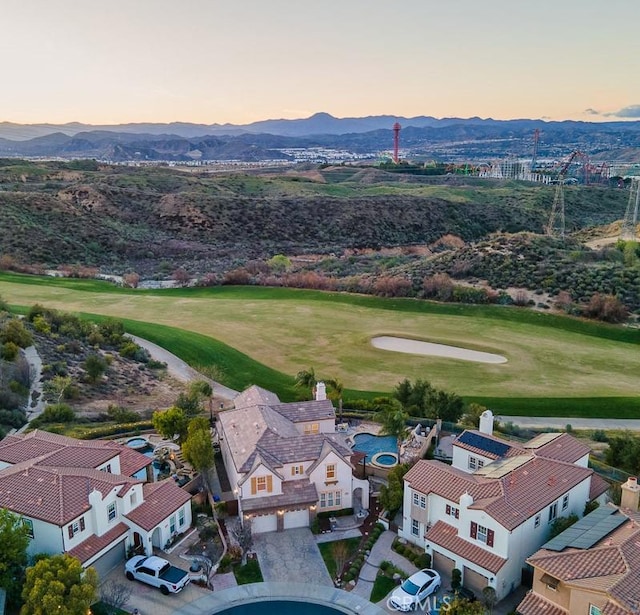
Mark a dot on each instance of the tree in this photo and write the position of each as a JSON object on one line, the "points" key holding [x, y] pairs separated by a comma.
{"points": [[181, 276], [391, 494], [171, 423], [461, 606], [443, 405], [279, 263], [197, 448], [115, 595], [560, 524], [489, 597], [242, 534], [14, 538], [306, 379], [95, 366], [14, 331], [340, 554], [335, 393], [471, 418], [394, 422], [456, 579], [58, 584], [58, 386]]}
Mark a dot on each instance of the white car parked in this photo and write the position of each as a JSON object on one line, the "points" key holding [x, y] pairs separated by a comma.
{"points": [[415, 590]]}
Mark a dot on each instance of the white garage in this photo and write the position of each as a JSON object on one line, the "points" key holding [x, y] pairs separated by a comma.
{"points": [[264, 523], [296, 518]]}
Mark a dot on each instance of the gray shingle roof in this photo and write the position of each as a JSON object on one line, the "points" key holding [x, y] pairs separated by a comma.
{"points": [[298, 492]]}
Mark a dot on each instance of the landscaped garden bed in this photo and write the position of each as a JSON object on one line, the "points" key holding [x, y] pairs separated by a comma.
{"points": [[414, 554], [388, 577]]}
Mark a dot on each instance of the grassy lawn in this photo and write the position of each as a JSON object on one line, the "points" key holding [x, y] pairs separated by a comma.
{"points": [[557, 366], [249, 573], [381, 587], [327, 554]]}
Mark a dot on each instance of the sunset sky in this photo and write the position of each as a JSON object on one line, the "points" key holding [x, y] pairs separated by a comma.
{"points": [[213, 61]]}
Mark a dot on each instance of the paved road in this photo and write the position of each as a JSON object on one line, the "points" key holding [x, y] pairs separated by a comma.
{"points": [[181, 370], [576, 423]]}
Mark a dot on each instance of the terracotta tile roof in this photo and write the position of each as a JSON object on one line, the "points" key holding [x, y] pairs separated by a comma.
{"points": [[564, 448], [613, 609], [14, 450], [534, 604], [510, 500], [447, 537], [94, 544], [79, 457], [160, 501], [576, 564], [294, 492], [132, 461], [598, 486], [55, 495], [487, 445]]}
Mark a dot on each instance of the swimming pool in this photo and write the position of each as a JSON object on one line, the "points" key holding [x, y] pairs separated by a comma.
{"points": [[372, 445], [281, 607], [385, 459], [137, 443]]}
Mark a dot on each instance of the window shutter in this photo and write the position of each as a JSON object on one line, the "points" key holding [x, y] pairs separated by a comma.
{"points": [[474, 529], [293, 470], [82, 526], [254, 485], [269, 483], [70, 529], [490, 535], [457, 513], [448, 509]]}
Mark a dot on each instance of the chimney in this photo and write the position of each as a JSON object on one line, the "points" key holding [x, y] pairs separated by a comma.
{"points": [[630, 494], [321, 391], [486, 422]]}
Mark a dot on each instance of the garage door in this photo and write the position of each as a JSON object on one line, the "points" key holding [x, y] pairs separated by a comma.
{"points": [[264, 523], [474, 581], [112, 558], [442, 563], [296, 518]]}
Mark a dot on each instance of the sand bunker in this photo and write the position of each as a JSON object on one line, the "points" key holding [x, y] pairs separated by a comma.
{"points": [[400, 344]]}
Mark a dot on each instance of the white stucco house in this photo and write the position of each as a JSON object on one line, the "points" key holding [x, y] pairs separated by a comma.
{"points": [[491, 510], [285, 461], [80, 497]]}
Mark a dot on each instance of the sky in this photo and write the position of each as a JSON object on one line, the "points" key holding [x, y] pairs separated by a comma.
{"points": [[238, 61]]}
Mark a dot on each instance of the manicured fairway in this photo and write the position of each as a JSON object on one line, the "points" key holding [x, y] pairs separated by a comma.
{"points": [[288, 330]]}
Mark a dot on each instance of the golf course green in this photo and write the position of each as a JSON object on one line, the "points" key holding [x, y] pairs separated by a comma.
{"points": [[556, 366]]}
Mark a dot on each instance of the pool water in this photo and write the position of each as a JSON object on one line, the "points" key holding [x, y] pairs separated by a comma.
{"points": [[370, 444], [281, 607], [137, 443], [386, 460]]}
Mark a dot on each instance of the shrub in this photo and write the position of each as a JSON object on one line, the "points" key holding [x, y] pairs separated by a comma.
{"points": [[55, 413], [385, 565], [353, 571], [599, 435]]}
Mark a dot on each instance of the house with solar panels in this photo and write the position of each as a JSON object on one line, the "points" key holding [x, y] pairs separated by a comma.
{"points": [[593, 567], [492, 508]]}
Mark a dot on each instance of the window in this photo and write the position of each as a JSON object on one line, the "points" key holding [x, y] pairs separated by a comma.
{"points": [[297, 470], [111, 511], [28, 523], [452, 511], [311, 428], [181, 517], [108, 468], [553, 511], [594, 610], [330, 499], [132, 499], [76, 527], [565, 502], [419, 500], [261, 483], [475, 463], [172, 524], [536, 523], [482, 534], [331, 471], [480, 463], [415, 527]]}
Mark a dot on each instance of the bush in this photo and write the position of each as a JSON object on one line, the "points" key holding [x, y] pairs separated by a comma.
{"points": [[353, 571], [385, 565], [55, 413], [599, 435]]}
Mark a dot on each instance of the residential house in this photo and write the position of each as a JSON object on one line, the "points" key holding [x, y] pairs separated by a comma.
{"points": [[492, 508], [592, 568], [81, 497], [285, 461]]}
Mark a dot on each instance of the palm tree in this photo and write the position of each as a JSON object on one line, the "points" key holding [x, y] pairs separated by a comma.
{"points": [[306, 379], [336, 393], [394, 421]]}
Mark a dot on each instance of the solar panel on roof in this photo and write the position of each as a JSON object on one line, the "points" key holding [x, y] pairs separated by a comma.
{"points": [[541, 440], [587, 531], [502, 467], [493, 447]]}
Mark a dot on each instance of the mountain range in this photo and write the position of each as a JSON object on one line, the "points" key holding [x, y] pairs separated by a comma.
{"points": [[446, 138]]}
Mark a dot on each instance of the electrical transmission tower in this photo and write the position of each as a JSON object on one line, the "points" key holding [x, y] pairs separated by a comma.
{"points": [[628, 228], [555, 226]]}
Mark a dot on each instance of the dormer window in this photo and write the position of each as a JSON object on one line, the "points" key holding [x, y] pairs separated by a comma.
{"points": [[311, 428], [331, 471]]}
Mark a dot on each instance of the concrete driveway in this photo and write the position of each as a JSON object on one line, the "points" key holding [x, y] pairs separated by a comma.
{"points": [[291, 556], [149, 601]]}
